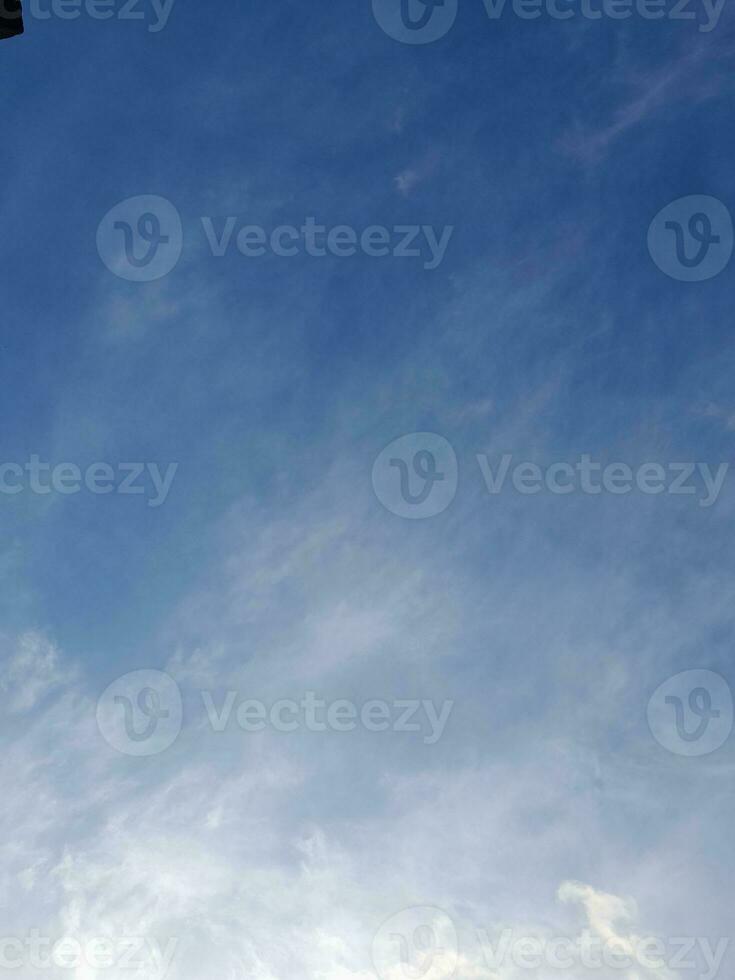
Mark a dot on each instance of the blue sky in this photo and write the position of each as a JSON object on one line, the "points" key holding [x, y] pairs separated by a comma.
{"points": [[272, 568]]}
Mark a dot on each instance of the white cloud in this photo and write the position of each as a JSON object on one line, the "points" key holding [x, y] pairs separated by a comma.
{"points": [[29, 669]]}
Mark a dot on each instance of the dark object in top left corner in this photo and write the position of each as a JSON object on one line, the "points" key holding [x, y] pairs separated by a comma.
{"points": [[11, 18]]}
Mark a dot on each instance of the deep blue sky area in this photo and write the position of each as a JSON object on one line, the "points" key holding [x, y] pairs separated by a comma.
{"points": [[550, 327]]}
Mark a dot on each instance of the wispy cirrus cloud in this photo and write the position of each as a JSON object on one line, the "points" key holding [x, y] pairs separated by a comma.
{"points": [[687, 79]]}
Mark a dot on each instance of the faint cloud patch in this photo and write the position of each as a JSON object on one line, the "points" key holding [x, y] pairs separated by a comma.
{"points": [[472, 411], [406, 181], [30, 671], [720, 413], [130, 318], [671, 85]]}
